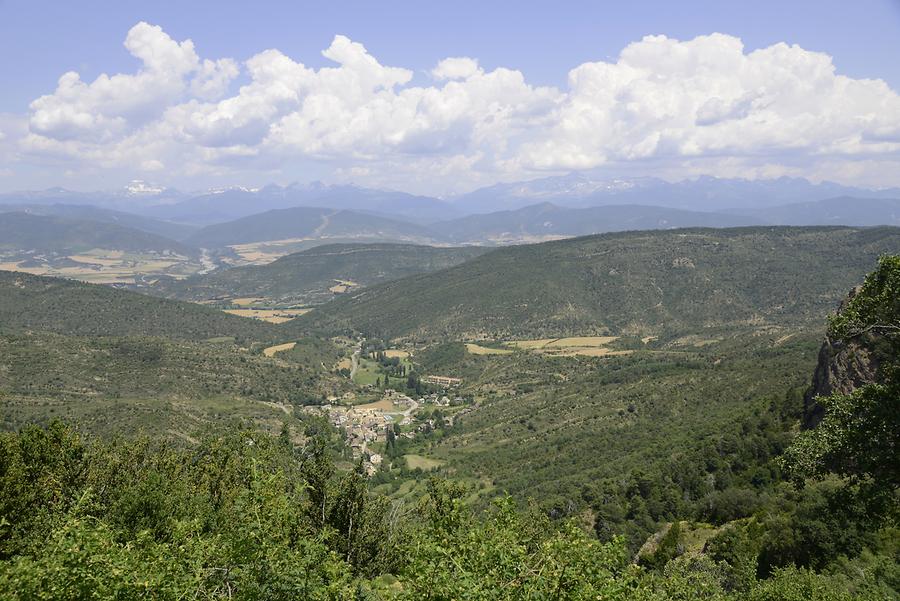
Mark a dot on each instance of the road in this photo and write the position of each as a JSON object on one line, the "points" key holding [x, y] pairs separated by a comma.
{"points": [[354, 360]]}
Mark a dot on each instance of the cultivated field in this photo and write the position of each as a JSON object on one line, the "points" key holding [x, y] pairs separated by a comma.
{"points": [[270, 352], [105, 266], [391, 353], [584, 346], [476, 349], [571, 342], [343, 286], [268, 315]]}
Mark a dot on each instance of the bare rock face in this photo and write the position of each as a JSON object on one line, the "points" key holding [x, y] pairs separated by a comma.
{"points": [[842, 368]]}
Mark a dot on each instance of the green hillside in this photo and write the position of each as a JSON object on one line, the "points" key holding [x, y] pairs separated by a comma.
{"points": [[49, 234], [307, 277], [626, 283], [308, 222], [173, 388], [29, 302]]}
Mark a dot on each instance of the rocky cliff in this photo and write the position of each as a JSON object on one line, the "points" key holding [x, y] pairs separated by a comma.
{"points": [[843, 366]]}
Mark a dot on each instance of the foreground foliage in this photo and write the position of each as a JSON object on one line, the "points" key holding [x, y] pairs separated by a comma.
{"points": [[248, 516]]}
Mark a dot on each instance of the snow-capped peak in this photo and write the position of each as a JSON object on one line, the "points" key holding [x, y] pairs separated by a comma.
{"points": [[139, 187]]}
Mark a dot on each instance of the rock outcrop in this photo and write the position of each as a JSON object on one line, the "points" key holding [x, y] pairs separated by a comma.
{"points": [[842, 368]]}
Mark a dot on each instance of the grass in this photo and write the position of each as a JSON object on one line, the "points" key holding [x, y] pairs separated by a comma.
{"points": [[368, 372], [384, 405], [423, 463]]}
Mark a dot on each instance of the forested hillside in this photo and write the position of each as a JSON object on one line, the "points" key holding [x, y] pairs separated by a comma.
{"points": [[29, 302], [641, 283], [308, 277]]}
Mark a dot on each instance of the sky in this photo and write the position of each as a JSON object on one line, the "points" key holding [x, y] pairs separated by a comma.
{"points": [[441, 98]]}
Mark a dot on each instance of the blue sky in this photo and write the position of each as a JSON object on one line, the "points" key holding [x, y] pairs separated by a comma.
{"points": [[542, 41]]}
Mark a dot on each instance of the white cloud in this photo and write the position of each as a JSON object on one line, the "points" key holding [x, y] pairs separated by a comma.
{"points": [[683, 106], [461, 67]]}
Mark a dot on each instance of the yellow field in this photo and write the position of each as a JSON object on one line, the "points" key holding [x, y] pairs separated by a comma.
{"points": [[584, 352], [260, 253], [244, 302], [94, 260], [391, 353], [106, 266], [573, 341], [345, 363], [342, 286], [530, 344], [270, 352], [481, 350], [583, 341], [269, 315], [583, 346]]}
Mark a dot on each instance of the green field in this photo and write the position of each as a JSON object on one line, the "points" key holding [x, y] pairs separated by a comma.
{"points": [[422, 463]]}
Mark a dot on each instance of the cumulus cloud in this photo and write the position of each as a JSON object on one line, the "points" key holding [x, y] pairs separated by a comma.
{"points": [[679, 104], [460, 67]]}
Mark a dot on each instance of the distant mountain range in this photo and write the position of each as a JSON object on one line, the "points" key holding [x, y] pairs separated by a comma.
{"points": [[547, 221], [308, 223], [576, 190], [513, 213], [702, 194]]}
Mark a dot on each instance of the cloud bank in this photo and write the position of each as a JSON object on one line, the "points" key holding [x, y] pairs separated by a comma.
{"points": [[673, 108]]}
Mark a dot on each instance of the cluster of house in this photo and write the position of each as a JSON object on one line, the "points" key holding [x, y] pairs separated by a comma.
{"points": [[364, 424], [444, 381]]}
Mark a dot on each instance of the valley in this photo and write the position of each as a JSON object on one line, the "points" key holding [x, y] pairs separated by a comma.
{"points": [[428, 301], [567, 375]]}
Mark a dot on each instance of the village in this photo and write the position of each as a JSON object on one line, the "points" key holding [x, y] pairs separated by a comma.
{"points": [[365, 426]]}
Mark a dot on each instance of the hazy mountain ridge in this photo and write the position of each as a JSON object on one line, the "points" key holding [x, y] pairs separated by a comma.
{"points": [[843, 210], [28, 232], [701, 194], [167, 229], [549, 220], [575, 190], [308, 222]]}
